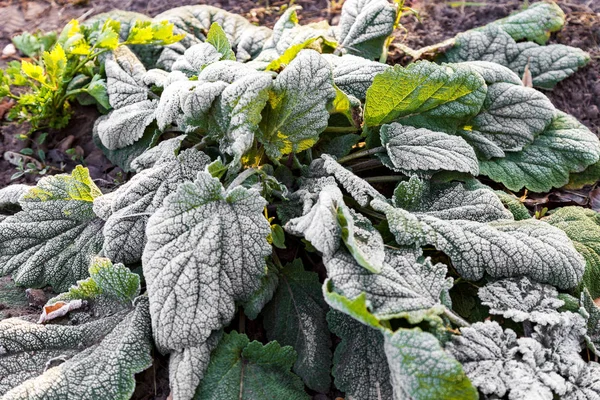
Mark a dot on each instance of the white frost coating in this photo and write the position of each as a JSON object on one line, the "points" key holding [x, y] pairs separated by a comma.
{"points": [[138, 199], [297, 109], [187, 367], [412, 149], [165, 149], [502, 249], [50, 313], [364, 26], [354, 75], [362, 239], [206, 249], [103, 205], [9, 196], [196, 58], [319, 226], [522, 300], [359, 189], [493, 72], [401, 286], [125, 79], [124, 126]]}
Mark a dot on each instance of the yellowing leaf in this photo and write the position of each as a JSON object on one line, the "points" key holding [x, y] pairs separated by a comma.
{"points": [[108, 39], [163, 32], [55, 62], [33, 71], [73, 28], [141, 33]]}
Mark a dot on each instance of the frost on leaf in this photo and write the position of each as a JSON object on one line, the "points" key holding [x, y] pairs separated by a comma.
{"points": [[364, 26], [296, 112], [296, 317], [535, 23], [124, 126], [412, 149], [101, 348], [125, 79], [51, 241], [354, 75], [196, 58], [10, 195], [134, 202], [453, 200], [358, 188], [421, 369], [565, 146], [501, 249], [424, 94], [401, 287], [240, 369], [187, 367], [582, 226], [165, 149], [206, 249], [522, 300], [548, 65], [361, 238], [359, 368], [591, 313]]}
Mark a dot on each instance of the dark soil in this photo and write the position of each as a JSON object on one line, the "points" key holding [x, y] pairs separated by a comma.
{"points": [[439, 20]]}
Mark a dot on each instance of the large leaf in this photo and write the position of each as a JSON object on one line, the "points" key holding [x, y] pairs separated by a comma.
{"points": [[100, 349], [449, 92], [501, 249], [354, 75], [296, 317], [548, 65], [296, 112], [421, 369], [240, 369], [134, 202], [591, 312], [53, 239], [364, 26], [124, 126], [565, 146], [401, 287], [358, 366], [206, 249], [582, 226], [412, 149]]}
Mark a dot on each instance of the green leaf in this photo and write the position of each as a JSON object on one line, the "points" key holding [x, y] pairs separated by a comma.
{"points": [[358, 366], [514, 205], [356, 308], [582, 226], [240, 369], [588, 176], [565, 146], [534, 23], [421, 369], [101, 356], [361, 238], [296, 317], [220, 250], [448, 92], [125, 126], [53, 239], [296, 112], [591, 313], [354, 75], [97, 89], [412, 149], [217, 37], [257, 301], [500, 249]]}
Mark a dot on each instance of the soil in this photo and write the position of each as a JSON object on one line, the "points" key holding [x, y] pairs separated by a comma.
{"points": [[438, 20]]}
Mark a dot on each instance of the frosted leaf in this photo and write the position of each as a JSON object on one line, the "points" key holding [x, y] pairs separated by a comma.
{"points": [[124, 126], [358, 366], [188, 366], [354, 75], [591, 312], [100, 357], [412, 149], [261, 296], [493, 72], [165, 149], [125, 79], [563, 338], [296, 112], [51, 241], [358, 188], [402, 286], [361, 238], [10, 195], [522, 300], [240, 369], [155, 77], [196, 58], [296, 317], [501, 249], [206, 249], [449, 201], [584, 383], [102, 206], [135, 201], [364, 26], [565, 146], [420, 368]]}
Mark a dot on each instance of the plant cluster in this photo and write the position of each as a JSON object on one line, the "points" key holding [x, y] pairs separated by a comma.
{"points": [[254, 198]]}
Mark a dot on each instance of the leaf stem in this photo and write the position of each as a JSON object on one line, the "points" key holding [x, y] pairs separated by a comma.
{"points": [[362, 153], [242, 177], [428, 50], [341, 129], [388, 178], [455, 318]]}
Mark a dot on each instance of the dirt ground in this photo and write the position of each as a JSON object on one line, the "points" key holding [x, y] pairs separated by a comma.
{"points": [[439, 20]]}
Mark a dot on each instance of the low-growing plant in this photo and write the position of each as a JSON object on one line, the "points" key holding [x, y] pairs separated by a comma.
{"points": [[259, 195]]}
